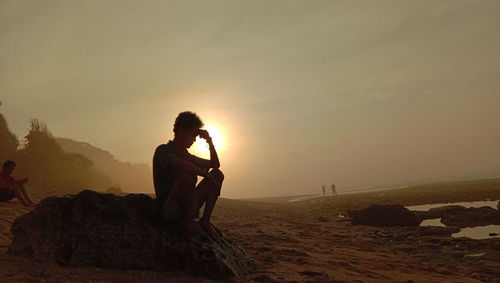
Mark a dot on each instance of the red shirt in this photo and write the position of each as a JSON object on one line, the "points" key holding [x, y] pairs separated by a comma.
{"points": [[6, 178]]}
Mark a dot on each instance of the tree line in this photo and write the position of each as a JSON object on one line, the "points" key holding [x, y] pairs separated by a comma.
{"points": [[48, 166]]}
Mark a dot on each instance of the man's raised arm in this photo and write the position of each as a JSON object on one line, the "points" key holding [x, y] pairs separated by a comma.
{"points": [[214, 158]]}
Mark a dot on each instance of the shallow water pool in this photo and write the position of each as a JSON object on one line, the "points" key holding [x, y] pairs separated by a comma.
{"points": [[478, 232]]}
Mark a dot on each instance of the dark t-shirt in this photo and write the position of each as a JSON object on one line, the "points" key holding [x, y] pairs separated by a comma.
{"points": [[164, 174]]}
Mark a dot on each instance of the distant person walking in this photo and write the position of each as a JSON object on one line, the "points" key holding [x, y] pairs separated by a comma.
{"points": [[10, 187], [334, 189], [324, 189], [175, 172]]}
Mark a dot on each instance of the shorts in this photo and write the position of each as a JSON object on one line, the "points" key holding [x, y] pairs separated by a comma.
{"points": [[6, 195]]}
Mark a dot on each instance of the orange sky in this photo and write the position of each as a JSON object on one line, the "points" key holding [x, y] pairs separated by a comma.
{"points": [[305, 92]]}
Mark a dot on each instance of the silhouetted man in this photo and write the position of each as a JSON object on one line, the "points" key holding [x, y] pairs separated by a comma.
{"points": [[10, 187], [175, 173], [334, 189]]}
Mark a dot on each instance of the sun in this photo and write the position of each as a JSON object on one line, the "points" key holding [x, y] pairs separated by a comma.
{"points": [[200, 147]]}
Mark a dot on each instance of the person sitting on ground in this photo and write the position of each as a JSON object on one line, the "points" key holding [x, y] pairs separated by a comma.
{"points": [[175, 173], [10, 187]]}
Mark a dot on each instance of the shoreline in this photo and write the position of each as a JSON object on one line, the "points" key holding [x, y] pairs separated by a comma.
{"points": [[308, 241], [493, 190]]}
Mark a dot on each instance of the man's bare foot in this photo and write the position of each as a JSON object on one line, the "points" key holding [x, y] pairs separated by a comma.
{"points": [[193, 227], [196, 214], [207, 226]]}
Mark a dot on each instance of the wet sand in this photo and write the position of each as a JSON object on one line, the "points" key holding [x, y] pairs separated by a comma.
{"points": [[307, 241]]}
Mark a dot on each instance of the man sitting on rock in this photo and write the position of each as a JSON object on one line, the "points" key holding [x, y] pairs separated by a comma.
{"points": [[10, 187], [175, 173]]}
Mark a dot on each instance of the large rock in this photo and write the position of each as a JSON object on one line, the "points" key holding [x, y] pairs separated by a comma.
{"points": [[436, 231], [473, 216], [384, 215], [438, 212], [121, 232]]}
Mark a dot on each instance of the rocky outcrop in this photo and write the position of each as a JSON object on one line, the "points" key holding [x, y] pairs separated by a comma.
{"points": [[438, 212], [384, 215], [121, 232], [470, 217], [435, 231]]}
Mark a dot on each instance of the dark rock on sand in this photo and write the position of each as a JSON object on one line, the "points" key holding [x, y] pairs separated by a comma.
{"points": [[322, 219], [436, 231], [439, 212], [384, 215], [473, 216], [121, 232]]}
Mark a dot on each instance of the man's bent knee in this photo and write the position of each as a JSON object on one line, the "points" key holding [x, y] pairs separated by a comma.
{"points": [[215, 191], [217, 173], [218, 178]]}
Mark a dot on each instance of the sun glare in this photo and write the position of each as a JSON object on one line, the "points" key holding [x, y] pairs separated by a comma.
{"points": [[200, 147]]}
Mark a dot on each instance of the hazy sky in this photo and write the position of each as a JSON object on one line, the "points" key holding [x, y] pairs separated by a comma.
{"points": [[362, 93]]}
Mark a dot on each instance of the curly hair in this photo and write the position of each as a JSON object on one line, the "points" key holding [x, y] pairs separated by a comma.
{"points": [[7, 164], [187, 120]]}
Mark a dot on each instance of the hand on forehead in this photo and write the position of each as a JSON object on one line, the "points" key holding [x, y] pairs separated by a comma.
{"points": [[193, 131]]}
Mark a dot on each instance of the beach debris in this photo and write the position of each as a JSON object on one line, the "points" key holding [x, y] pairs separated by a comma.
{"points": [[379, 234], [322, 219], [310, 273], [475, 255], [121, 232], [384, 215], [264, 278]]}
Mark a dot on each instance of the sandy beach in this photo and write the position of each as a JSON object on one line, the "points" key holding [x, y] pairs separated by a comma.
{"points": [[309, 241]]}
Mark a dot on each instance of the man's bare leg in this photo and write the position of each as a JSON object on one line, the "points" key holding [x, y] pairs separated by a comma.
{"points": [[208, 192], [19, 194], [26, 195], [180, 203]]}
